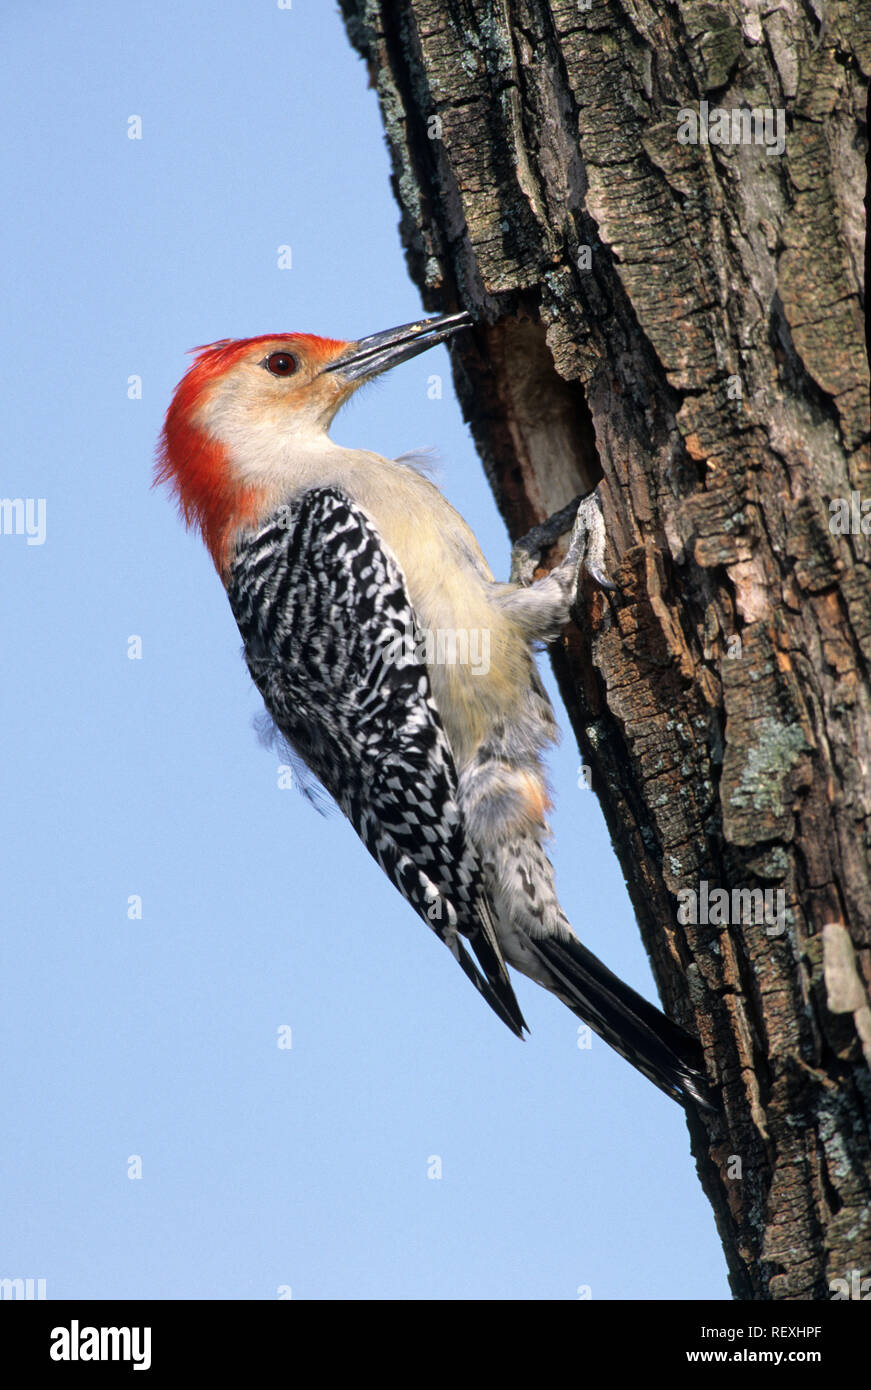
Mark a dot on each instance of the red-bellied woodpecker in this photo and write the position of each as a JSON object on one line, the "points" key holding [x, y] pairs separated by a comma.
{"points": [[345, 571]]}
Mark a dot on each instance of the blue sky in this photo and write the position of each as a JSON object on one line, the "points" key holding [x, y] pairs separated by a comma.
{"points": [[262, 1168]]}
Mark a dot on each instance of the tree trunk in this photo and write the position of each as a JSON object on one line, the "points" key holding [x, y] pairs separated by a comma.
{"points": [[681, 318]]}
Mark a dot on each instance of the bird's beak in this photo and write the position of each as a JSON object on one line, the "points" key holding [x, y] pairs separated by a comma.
{"points": [[369, 356]]}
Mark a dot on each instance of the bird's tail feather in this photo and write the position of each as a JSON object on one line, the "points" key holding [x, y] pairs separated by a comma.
{"points": [[498, 993], [657, 1046]]}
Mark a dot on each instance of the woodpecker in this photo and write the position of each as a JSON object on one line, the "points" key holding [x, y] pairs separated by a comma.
{"points": [[340, 567]]}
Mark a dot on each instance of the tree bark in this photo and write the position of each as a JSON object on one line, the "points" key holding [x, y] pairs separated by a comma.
{"points": [[683, 321]]}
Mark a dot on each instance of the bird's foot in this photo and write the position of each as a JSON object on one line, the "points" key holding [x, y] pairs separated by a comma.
{"points": [[586, 547]]}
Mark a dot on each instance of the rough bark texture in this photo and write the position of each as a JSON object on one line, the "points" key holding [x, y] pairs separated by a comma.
{"points": [[704, 357]]}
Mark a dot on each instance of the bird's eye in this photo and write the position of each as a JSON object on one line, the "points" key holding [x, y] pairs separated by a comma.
{"points": [[280, 364]]}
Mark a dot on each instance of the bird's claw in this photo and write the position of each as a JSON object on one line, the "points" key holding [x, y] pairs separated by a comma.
{"points": [[527, 551], [599, 575], [586, 547]]}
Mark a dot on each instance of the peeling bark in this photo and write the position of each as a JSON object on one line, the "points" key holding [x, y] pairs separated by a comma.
{"points": [[684, 322]]}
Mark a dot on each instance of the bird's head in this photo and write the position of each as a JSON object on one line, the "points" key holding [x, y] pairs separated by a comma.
{"points": [[247, 405]]}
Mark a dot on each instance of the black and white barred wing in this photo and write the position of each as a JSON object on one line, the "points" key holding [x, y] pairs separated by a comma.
{"points": [[330, 641]]}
